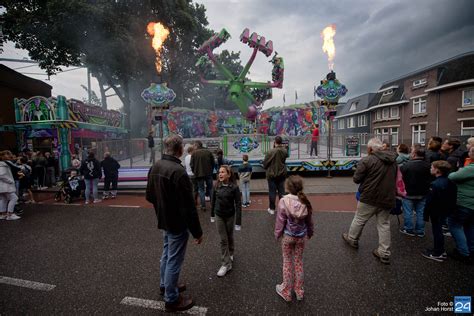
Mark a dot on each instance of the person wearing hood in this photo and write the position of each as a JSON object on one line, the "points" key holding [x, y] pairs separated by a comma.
{"points": [[376, 173], [92, 172], [294, 223], [417, 178], [111, 173], [8, 197], [403, 154]]}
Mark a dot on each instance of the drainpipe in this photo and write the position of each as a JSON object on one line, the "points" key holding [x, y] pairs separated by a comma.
{"points": [[438, 101]]}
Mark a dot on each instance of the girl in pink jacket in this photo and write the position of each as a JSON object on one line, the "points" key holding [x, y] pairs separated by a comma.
{"points": [[295, 224]]}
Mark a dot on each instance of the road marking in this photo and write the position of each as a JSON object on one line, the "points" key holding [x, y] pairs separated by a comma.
{"points": [[159, 305], [25, 283], [73, 204], [132, 206]]}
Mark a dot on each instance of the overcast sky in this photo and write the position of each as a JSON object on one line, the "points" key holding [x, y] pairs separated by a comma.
{"points": [[375, 41]]}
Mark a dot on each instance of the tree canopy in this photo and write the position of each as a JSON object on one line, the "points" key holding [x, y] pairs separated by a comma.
{"points": [[109, 37]]}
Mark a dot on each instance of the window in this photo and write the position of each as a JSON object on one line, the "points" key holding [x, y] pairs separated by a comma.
{"points": [[388, 92], [377, 133], [394, 112], [340, 124], [364, 138], [385, 113], [378, 115], [418, 134], [351, 122], [394, 133], [385, 137], [419, 105], [419, 82], [467, 127], [468, 97], [362, 120], [353, 106]]}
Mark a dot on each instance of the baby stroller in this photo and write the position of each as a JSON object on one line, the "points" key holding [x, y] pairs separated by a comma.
{"points": [[70, 188]]}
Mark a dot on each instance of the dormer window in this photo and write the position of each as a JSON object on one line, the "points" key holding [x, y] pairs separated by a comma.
{"points": [[353, 106], [419, 82], [388, 92]]}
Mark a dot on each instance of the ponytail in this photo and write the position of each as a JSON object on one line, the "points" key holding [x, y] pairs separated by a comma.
{"points": [[304, 199]]}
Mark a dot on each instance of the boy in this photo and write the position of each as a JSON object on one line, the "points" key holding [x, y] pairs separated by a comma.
{"points": [[440, 202], [245, 172]]}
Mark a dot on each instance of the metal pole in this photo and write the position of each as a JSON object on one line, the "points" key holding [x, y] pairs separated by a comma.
{"points": [[89, 94], [329, 147]]}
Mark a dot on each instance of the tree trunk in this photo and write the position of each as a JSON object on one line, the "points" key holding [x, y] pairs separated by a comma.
{"points": [[103, 97]]}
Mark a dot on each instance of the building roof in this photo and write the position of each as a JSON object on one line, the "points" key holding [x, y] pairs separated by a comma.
{"points": [[363, 101], [15, 80]]}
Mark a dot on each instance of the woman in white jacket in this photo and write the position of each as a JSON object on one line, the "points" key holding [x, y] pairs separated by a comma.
{"points": [[8, 197]]}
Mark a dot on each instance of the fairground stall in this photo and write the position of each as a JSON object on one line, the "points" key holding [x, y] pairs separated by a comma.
{"points": [[62, 126]]}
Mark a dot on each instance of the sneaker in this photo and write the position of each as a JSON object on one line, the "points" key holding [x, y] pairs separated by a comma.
{"points": [[87, 202], [207, 198], [182, 304], [350, 242], [213, 219], [447, 234], [3, 216], [269, 210], [181, 288], [384, 260], [244, 205], [429, 254], [113, 196], [279, 290], [232, 258], [97, 201], [223, 271], [420, 235], [105, 197], [407, 232], [13, 217]]}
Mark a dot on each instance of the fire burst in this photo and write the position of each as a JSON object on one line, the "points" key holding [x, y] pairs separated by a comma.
{"points": [[159, 33], [328, 47]]}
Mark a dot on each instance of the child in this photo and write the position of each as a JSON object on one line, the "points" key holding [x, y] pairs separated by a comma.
{"points": [[294, 223], [245, 173], [440, 202], [227, 208]]}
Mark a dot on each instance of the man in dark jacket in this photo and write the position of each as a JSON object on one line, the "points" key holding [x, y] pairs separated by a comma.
{"points": [[275, 171], [170, 191], [417, 178], [452, 147], [376, 175], [202, 164], [111, 173]]}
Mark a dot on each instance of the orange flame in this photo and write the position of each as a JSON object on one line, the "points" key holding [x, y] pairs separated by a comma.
{"points": [[328, 47], [159, 33]]}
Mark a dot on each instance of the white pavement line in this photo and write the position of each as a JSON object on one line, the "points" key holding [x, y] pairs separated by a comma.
{"points": [[72, 204], [159, 305], [25, 283], [132, 206]]}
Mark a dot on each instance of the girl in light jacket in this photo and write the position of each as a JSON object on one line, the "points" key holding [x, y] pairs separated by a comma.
{"points": [[295, 225], [8, 197]]}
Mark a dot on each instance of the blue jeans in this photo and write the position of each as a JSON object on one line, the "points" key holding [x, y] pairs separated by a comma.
{"points": [[204, 181], [461, 225], [174, 249], [245, 192], [418, 206], [274, 185], [92, 185]]}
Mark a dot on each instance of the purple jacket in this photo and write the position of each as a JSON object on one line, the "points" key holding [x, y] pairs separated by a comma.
{"points": [[293, 218]]}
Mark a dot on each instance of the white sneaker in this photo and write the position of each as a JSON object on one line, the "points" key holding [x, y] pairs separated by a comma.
{"points": [[223, 271], [86, 202], [232, 258], [13, 217], [3, 216], [213, 219], [269, 210], [207, 198], [97, 201]]}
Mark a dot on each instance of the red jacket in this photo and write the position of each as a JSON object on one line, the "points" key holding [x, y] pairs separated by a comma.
{"points": [[315, 136]]}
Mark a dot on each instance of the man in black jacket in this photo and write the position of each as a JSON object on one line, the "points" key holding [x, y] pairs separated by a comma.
{"points": [[170, 191], [417, 178], [111, 173]]}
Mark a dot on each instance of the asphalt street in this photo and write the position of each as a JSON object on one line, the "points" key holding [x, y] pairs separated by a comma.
{"points": [[97, 256]]}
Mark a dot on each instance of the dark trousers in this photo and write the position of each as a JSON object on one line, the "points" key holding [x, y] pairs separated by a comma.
{"points": [[274, 185], [438, 237], [314, 145], [40, 174], [110, 180]]}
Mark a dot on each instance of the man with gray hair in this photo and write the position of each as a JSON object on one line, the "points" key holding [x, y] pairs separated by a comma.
{"points": [[170, 191], [376, 175]]}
